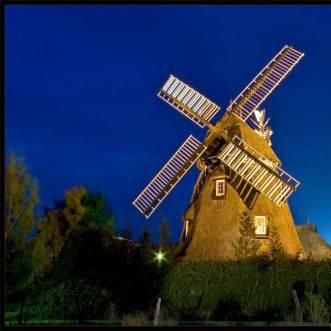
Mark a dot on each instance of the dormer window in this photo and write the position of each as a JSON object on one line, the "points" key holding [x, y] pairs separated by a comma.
{"points": [[261, 226], [220, 187]]}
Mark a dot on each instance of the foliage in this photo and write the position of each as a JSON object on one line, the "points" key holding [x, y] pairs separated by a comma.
{"points": [[74, 209], [146, 237], [21, 198], [127, 231], [252, 289], [71, 299], [164, 232], [80, 207], [18, 273], [54, 228], [246, 245], [316, 308], [99, 270], [276, 249], [97, 211]]}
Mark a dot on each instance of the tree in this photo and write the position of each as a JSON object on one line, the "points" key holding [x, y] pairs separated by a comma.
{"points": [[97, 211], [93, 271], [127, 231], [21, 199], [276, 248], [54, 228], [146, 237], [246, 245], [79, 208], [61, 248], [164, 232]]}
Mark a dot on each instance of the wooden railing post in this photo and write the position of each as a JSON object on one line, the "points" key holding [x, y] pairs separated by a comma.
{"points": [[298, 311], [157, 312]]}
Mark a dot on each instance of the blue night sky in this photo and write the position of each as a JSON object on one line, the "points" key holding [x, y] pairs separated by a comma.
{"points": [[81, 104]]}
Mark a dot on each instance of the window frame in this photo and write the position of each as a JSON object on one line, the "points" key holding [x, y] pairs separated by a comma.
{"points": [[266, 219], [220, 193]]}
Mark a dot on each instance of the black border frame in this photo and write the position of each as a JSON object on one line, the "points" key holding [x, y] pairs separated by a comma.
{"points": [[5, 3]]}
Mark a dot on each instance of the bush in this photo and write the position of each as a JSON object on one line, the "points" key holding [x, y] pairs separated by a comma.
{"points": [[316, 308], [253, 289], [70, 300], [95, 277]]}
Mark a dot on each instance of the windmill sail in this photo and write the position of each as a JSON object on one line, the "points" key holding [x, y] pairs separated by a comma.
{"points": [[264, 83], [188, 101], [260, 172], [167, 178]]}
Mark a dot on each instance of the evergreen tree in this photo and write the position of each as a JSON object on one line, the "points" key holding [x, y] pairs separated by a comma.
{"points": [[127, 231], [276, 248], [164, 232], [246, 245], [146, 237]]}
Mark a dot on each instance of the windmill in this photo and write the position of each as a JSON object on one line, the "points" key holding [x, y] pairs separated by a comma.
{"points": [[239, 170]]}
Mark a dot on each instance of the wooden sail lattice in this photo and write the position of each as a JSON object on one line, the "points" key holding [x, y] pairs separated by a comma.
{"points": [[264, 83], [188, 101], [167, 178], [265, 176], [249, 170]]}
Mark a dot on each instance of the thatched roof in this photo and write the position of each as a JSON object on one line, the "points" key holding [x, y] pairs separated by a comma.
{"points": [[230, 125], [313, 244]]}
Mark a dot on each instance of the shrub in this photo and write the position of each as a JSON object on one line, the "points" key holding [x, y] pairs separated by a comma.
{"points": [[253, 289], [70, 300], [246, 245], [316, 308]]}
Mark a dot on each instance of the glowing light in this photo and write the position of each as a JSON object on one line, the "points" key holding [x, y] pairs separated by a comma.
{"points": [[159, 256]]}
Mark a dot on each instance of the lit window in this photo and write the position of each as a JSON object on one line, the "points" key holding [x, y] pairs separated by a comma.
{"points": [[260, 225], [220, 187]]}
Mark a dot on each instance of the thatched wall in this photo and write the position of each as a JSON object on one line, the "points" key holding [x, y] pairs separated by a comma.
{"points": [[214, 225], [280, 217]]}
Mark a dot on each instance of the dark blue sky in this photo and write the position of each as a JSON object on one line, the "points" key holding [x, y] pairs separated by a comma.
{"points": [[81, 104]]}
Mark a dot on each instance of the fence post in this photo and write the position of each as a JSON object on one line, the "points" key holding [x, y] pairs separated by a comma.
{"points": [[298, 311], [157, 312]]}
